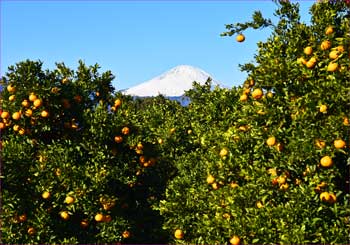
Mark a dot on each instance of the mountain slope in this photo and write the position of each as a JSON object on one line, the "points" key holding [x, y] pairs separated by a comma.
{"points": [[171, 83]]}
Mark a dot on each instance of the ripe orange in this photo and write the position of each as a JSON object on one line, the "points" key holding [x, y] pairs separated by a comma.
{"points": [[215, 186], [84, 223], [65, 215], [12, 98], [28, 113], [69, 200], [324, 196], [333, 54], [25, 103], [31, 231], [65, 80], [22, 131], [5, 115], [2, 125], [22, 218], [281, 180], [179, 234], [257, 93], [32, 97], [125, 130], [332, 67], [323, 108], [78, 98], [320, 143], [118, 139], [240, 38], [259, 204], [46, 195], [126, 234], [326, 161], [235, 240], [301, 60], [346, 121], [329, 30], [16, 115], [271, 141], [339, 143], [340, 48], [332, 198], [311, 63], [243, 98], [325, 45], [44, 114], [210, 179], [11, 88], [99, 217], [15, 127], [117, 103], [308, 50], [37, 103]]}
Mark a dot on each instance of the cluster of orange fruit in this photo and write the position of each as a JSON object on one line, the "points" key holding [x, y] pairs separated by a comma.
{"points": [[334, 54]]}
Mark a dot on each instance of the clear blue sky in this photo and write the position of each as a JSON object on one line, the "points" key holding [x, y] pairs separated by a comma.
{"points": [[136, 40]]}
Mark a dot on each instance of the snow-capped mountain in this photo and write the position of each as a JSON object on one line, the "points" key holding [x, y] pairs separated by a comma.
{"points": [[172, 83]]}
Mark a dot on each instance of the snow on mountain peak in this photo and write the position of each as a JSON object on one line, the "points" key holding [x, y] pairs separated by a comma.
{"points": [[171, 83]]}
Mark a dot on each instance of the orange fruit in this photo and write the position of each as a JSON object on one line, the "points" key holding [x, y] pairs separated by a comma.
{"points": [[5, 115], [281, 180], [243, 98], [324, 196], [99, 217], [259, 204], [32, 97], [126, 234], [301, 60], [28, 113], [333, 54], [37, 103], [107, 218], [179, 234], [326, 161], [46, 195], [210, 179], [65, 215], [235, 240], [15, 127], [118, 139], [25, 103], [346, 121], [320, 143], [257, 93], [215, 186], [78, 98], [44, 114], [117, 103], [308, 50], [339, 143], [240, 38], [323, 108], [69, 200], [2, 125], [11, 88], [311, 63], [332, 67], [271, 141], [54, 90], [125, 130], [284, 186], [325, 45], [329, 30], [16, 115], [234, 185], [31, 231], [12, 98], [21, 131], [340, 48], [332, 198], [65, 80], [84, 223], [22, 218]]}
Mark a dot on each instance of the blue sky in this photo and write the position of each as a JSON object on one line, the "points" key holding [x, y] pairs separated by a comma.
{"points": [[136, 40]]}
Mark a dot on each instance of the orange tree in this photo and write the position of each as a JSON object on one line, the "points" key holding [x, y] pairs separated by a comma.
{"points": [[270, 162], [75, 166]]}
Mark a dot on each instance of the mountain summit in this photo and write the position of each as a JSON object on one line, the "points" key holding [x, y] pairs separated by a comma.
{"points": [[172, 83]]}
